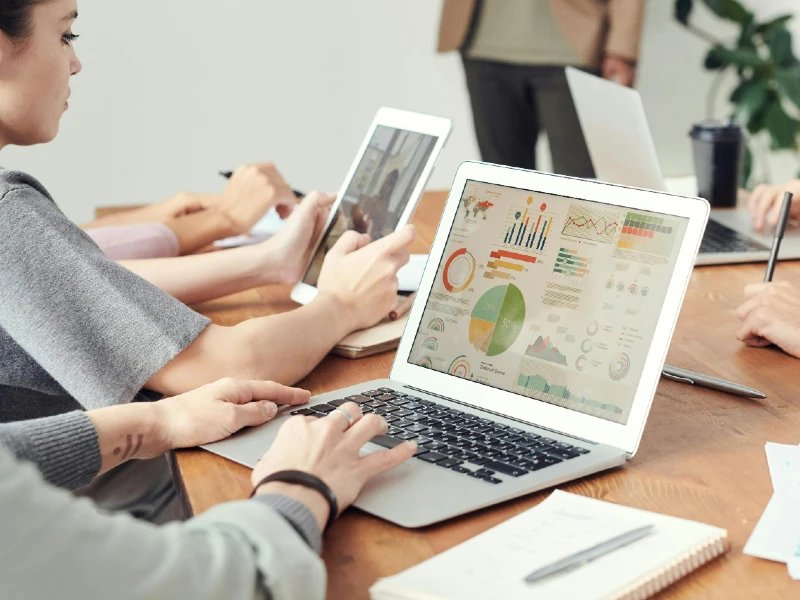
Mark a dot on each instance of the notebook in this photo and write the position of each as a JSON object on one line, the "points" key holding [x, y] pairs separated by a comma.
{"points": [[495, 563], [366, 342]]}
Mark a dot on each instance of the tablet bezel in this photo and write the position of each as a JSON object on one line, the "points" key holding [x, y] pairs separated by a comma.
{"points": [[303, 293], [557, 418]]}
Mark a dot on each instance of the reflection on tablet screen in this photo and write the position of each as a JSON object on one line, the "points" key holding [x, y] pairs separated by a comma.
{"points": [[380, 189]]}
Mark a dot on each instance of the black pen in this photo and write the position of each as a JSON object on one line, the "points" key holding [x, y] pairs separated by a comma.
{"points": [[229, 174], [780, 229]]}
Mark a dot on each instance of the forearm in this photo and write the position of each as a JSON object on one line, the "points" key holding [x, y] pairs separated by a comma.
{"points": [[626, 18], [129, 431], [200, 229], [282, 348], [127, 216], [201, 277]]}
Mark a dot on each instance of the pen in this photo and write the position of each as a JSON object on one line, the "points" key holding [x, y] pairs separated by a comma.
{"points": [[779, 231], [229, 174], [714, 383], [584, 556]]}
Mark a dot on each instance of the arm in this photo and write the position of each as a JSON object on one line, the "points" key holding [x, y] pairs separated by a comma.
{"points": [[281, 259], [622, 41], [357, 288], [72, 449]]}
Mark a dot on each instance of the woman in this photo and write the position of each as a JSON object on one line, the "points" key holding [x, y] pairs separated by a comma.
{"points": [[53, 545], [80, 331]]}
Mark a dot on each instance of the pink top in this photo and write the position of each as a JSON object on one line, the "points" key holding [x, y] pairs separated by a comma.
{"points": [[123, 242]]}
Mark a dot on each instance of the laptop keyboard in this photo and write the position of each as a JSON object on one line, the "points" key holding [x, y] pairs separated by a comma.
{"points": [[721, 238], [456, 440]]}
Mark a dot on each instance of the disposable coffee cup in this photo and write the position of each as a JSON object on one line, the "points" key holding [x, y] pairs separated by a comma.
{"points": [[717, 148]]}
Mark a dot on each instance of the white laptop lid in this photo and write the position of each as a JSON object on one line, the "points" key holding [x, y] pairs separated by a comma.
{"points": [[551, 299], [617, 134]]}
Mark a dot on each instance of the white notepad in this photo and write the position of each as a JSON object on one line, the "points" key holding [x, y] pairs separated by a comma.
{"points": [[494, 564]]}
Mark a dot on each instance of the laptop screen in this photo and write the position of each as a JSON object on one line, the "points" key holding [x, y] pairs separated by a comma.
{"points": [[552, 298], [380, 189]]}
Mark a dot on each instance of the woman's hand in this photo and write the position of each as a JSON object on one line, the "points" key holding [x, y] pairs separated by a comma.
{"points": [[251, 192], [771, 315], [766, 200], [218, 410], [363, 275], [328, 448], [290, 249]]}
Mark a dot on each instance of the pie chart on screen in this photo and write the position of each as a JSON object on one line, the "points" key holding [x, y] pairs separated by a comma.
{"points": [[496, 320], [458, 271]]}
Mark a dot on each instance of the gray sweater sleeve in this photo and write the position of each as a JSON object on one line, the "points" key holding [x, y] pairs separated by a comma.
{"points": [[54, 545], [64, 447]]}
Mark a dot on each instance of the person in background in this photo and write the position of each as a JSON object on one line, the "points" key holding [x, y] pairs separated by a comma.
{"points": [[765, 203], [53, 545], [514, 54]]}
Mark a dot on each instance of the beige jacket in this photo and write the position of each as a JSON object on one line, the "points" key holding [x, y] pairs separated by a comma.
{"points": [[595, 28]]}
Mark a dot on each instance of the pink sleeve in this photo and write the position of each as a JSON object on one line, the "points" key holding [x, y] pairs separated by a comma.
{"points": [[151, 240]]}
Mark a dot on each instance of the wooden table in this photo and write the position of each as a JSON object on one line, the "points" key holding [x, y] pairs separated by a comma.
{"points": [[702, 456]]}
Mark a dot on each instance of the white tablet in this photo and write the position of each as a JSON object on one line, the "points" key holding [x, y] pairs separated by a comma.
{"points": [[384, 183]]}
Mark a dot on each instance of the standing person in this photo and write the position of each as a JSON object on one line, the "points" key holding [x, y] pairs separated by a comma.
{"points": [[514, 54]]}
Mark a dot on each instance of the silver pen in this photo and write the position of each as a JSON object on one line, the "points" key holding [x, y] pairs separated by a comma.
{"points": [[713, 383], [584, 556]]}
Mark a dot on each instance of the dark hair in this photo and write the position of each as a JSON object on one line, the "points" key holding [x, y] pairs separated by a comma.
{"points": [[15, 17]]}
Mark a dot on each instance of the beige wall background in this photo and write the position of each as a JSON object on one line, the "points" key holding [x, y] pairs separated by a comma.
{"points": [[172, 92]]}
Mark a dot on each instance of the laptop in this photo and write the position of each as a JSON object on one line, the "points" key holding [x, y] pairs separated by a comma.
{"points": [[622, 150], [534, 347]]}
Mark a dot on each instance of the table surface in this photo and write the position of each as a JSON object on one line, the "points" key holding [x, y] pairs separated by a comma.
{"points": [[702, 455]]}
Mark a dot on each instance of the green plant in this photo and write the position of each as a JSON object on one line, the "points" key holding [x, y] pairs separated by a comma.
{"points": [[767, 96]]}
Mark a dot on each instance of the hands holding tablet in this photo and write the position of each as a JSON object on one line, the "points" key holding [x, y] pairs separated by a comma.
{"points": [[363, 275]]}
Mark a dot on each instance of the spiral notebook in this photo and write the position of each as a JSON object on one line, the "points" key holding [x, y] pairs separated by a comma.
{"points": [[494, 564]]}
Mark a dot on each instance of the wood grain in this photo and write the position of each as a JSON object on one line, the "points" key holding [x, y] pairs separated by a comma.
{"points": [[701, 457]]}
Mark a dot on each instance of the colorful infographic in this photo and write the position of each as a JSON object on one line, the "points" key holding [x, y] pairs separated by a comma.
{"points": [[551, 298]]}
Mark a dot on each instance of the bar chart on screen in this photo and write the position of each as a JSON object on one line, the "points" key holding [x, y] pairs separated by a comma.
{"points": [[527, 227]]}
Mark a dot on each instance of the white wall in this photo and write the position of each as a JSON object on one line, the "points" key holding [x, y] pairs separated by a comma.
{"points": [[174, 91]]}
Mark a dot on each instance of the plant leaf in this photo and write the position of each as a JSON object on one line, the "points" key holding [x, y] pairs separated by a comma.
{"points": [[683, 9], [747, 166], [751, 97], [783, 129], [740, 57], [731, 10], [715, 60], [780, 47], [768, 27], [788, 82]]}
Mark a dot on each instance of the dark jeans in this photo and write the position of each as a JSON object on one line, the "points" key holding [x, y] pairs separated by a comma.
{"points": [[512, 104]]}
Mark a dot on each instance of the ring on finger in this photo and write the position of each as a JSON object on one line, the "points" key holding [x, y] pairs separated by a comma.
{"points": [[350, 418]]}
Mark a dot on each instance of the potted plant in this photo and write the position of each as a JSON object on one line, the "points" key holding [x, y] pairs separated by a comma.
{"points": [[767, 97]]}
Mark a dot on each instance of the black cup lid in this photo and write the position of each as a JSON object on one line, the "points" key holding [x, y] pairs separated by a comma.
{"points": [[713, 130]]}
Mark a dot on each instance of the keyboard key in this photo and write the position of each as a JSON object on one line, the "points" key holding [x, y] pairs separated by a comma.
{"points": [[485, 472], [416, 417], [479, 460], [494, 480], [375, 404], [551, 461], [526, 442], [499, 426], [531, 436], [394, 430], [515, 430], [413, 406], [581, 450], [371, 393], [384, 397], [432, 457], [434, 445], [390, 408], [420, 450], [391, 420], [547, 441], [417, 429], [426, 402], [474, 474], [448, 463], [403, 413], [386, 441], [505, 469], [406, 435], [458, 469], [400, 394], [338, 402], [386, 390], [366, 410], [304, 412], [563, 446], [323, 408], [403, 423]]}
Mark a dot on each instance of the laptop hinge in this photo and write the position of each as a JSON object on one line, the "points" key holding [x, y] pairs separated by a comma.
{"points": [[497, 414]]}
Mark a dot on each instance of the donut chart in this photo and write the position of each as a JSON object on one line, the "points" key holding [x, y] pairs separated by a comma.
{"points": [[619, 366], [458, 271]]}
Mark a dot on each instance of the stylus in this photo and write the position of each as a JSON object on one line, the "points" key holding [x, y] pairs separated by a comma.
{"points": [[779, 231], [229, 174], [713, 383]]}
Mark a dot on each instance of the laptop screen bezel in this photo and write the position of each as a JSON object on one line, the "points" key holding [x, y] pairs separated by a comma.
{"points": [[625, 436]]}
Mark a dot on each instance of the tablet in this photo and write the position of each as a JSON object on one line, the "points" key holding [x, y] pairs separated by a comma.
{"points": [[384, 183]]}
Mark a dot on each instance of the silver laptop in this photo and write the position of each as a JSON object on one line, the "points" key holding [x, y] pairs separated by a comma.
{"points": [[533, 350], [622, 149]]}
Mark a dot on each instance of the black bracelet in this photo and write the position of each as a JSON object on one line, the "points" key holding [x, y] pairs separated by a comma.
{"points": [[309, 481]]}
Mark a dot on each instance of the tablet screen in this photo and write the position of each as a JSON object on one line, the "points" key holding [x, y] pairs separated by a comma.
{"points": [[380, 189], [555, 299]]}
